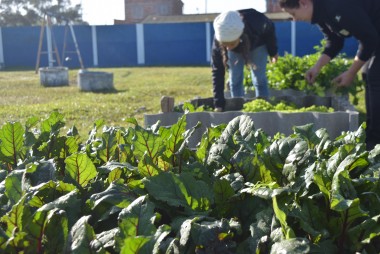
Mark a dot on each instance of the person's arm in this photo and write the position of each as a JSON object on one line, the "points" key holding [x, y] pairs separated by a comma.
{"points": [[218, 73], [312, 74], [270, 39], [346, 78]]}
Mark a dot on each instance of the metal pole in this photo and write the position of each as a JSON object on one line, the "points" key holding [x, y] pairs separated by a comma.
{"points": [[49, 43], [76, 46], [293, 40], [206, 6]]}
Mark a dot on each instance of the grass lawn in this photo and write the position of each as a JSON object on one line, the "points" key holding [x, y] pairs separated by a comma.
{"points": [[138, 92]]}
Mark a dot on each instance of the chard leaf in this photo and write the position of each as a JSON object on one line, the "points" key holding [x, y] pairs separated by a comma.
{"points": [[108, 149], [105, 239], [80, 169], [281, 216], [48, 192], [70, 203], [207, 236], [174, 137], [365, 233], [293, 162], [11, 143], [137, 219], [115, 195], [13, 186], [54, 123], [56, 231], [39, 172], [145, 141], [17, 218], [80, 237], [180, 191], [222, 191], [307, 132], [241, 126], [343, 192], [296, 246], [147, 167], [208, 138], [36, 231], [133, 245]]}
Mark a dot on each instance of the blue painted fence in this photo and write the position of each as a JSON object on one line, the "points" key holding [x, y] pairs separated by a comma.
{"points": [[183, 44]]}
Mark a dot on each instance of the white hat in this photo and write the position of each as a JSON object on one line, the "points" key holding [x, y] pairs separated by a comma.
{"points": [[228, 26]]}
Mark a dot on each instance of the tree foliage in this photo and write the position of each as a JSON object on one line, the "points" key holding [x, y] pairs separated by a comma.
{"points": [[32, 12]]}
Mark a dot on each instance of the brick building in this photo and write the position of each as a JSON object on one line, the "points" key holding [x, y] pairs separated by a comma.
{"points": [[169, 11], [273, 6], [137, 10]]}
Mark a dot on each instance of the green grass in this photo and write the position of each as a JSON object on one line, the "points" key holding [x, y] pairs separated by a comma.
{"points": [[138, 92]]}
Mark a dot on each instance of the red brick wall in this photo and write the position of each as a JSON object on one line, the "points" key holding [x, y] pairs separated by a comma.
{"points": [[138, 10]]}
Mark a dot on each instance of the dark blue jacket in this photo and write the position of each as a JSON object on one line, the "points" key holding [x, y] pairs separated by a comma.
{"points": [[339, 19], [260, 30]]}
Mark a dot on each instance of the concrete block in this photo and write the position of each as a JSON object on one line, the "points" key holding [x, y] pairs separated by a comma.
{"points": [[54, 76], [270, 122], [95, 81]]}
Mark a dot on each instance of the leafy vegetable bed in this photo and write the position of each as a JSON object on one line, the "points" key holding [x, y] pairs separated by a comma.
{"points": [[137, 190]]}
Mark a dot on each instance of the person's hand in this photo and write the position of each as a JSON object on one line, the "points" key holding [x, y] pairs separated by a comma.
{"points": [[345, 79], [274, 59], [311, 75]]}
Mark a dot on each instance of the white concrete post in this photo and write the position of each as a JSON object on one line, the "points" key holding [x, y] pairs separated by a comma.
{"points": [[1, 50], [293, 42], [208, 42], [140, 44], [94, 46]]}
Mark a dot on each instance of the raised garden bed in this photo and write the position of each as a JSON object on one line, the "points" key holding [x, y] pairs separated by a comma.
{"points": [[342, 120]]}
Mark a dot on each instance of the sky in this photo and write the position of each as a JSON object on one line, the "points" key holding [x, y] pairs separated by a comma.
{"points": [[103, 12]]}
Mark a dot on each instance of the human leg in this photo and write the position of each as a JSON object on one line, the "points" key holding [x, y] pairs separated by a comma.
{"points": [[259, 58], [373, 102], [236, 74]]}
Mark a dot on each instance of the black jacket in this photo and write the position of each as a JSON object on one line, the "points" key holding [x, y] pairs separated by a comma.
{"points": [[339, 19], [260, 30]]}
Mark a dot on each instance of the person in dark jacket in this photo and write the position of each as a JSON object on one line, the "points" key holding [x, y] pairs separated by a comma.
{"points": [[337, 20], [242, 38]]}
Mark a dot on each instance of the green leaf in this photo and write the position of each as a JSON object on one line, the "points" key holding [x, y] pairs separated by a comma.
{"points": [[180, 191], [16, 218], [39, 172], [80, 237], [281, 216], [80, 169], [11, 143], [147, 142], [138, 218], [133, 245], [296, 246], [55, 232], [13, 186], [70, 203], [108, 149]]}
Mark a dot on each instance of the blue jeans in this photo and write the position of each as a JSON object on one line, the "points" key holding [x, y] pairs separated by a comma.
{"points": [[236, 63]]}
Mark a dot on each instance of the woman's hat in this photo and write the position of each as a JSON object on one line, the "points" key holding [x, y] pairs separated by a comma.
{"points": [[228, 26]]}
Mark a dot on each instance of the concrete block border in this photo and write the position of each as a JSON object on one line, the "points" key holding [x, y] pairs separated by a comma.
{"points": [[270, 122]]}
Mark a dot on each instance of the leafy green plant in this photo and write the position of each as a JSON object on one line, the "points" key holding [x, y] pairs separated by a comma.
{"points": [[259, 105], [136, 190], [289, 73]]}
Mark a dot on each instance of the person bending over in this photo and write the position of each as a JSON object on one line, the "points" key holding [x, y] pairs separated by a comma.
{"points": [[242, 38], [339, 19]]}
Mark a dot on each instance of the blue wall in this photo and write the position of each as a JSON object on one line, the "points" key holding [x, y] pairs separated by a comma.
{"points": [[183, 44]]}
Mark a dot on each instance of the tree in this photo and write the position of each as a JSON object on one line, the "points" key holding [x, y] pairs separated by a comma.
{"points": [[32, 12]]}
